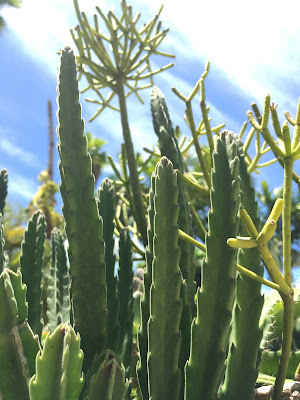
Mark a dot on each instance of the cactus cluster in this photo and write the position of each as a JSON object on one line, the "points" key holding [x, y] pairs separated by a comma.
{"points": [[78, 329]]}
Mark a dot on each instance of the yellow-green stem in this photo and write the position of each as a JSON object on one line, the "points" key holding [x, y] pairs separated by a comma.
{"points": [[288, 301], [287, 334], [139, 209], [286, 220], [189, 114]]}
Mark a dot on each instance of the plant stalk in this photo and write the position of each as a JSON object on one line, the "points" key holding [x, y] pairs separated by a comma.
{"points": [[288, 301], [139, 209]]}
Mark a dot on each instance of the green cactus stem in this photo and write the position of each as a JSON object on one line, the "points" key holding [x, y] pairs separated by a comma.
{"points": [[2, 243], [18, 345], [246, 335], [210, 330], [31, 264], [142, 369], [84, 225], [58, 367], [169, 147], [58, 294], [107, 208], [125, 290], [106, 378], [165, 302], [3, 189]]}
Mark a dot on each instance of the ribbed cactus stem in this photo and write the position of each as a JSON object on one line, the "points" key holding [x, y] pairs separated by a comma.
{"points": [[84, 225], [142, 371], [18, 346], [215, 299], [58, 367], [107, 208], [3, 189], [31, 263], [58, 299], [165, 301], [246, 335]]}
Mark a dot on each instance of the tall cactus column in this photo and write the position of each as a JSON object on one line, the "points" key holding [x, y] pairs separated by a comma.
{"points": [[165, 301], [83, 223], [210, 330]]}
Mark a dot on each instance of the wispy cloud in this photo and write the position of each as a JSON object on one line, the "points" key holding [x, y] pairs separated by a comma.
{"points": [[21, 186], [13, 150]]}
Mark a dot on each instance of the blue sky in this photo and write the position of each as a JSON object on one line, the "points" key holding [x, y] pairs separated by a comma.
{"points": [[252, 46]]}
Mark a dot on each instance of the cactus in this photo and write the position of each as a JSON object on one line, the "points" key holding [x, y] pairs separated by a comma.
{"points": [[106, 377], [58, 367], [106, 206], [2, 243], [190, 346], [3, 189], [58, 294], [18, 345], [84, 225], [210, 331], [125, 278], [165, 301], [246, 335], [142, 370], [31, 264]]}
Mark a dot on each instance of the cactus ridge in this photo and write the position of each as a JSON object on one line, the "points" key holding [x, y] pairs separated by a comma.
{"points": [[246, 335], [58, 295], [106, 201], [210, 331], [165, 303], [3, 189], [58, 367], [83, 223], [31, 264], [18, 345]]}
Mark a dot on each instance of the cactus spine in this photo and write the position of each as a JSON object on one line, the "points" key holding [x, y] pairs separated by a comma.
{"points": [[210, 330], [84, 225]]}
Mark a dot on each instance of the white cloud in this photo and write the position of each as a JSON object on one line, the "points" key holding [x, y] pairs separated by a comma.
{"points": [[19, 185], [13, 150]]}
